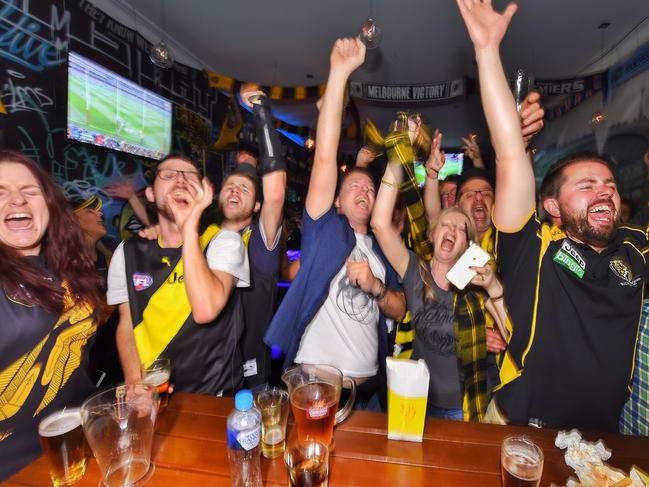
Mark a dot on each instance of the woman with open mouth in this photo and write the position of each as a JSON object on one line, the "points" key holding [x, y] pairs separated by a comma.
{"points": [[450, 325], [48, 306]]}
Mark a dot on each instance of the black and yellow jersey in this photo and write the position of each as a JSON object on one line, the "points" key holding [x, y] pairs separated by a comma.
{"points": [[204, 358], [41, 357], [575, 313]]}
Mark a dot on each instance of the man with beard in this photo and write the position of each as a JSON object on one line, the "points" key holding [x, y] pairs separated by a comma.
{"points": [[192, 318], [573, 290], [239, 202], [334, 312]]}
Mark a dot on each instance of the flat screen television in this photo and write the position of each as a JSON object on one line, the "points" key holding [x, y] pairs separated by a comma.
{"points": [[108, 110], [452, 166]]}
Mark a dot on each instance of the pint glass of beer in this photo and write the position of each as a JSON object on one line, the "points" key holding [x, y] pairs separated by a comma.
{"points": [[158, 374], [521, 461], [62, 440]]}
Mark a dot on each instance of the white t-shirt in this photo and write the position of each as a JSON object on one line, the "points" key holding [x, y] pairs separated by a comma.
{"points": [[226, 252], [343, 332]]}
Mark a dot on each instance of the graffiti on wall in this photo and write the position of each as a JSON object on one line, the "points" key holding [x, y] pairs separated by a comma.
{"points": [[35, 38]]}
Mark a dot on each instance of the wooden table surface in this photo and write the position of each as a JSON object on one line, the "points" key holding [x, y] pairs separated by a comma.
{"points": [[190, 450]]}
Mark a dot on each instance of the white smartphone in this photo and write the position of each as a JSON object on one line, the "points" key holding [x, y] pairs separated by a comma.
{"points": [[460, 275]]}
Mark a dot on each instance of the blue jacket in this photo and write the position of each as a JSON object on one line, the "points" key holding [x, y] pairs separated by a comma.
{"points": [[326, 244]]}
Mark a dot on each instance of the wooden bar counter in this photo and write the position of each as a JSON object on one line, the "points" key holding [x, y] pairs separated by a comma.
{"points": [[190, 451]]}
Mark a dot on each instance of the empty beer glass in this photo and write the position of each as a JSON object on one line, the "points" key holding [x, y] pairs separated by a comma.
{"points": [[118, 424], [62, 440]]}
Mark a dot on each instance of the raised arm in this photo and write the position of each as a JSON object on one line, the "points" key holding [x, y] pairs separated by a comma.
{"points": [[432, 201], [208, 289], [389, 240], [272, 164], [515, 197], [346, 56]]}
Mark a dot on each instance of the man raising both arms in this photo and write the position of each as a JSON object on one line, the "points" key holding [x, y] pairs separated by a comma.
{"points": [[573, 291]]}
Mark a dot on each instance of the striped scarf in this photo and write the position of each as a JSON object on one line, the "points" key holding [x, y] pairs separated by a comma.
{"points": [[399, 148], [471, 346]]}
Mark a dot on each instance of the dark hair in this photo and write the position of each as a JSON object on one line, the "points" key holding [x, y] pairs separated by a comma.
{"points": [[345, 175], [63, 249], [249, 172], [151, 175], [554, 178]]}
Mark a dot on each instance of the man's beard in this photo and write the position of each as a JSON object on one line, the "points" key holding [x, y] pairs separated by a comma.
{"points": [[578, 226]]}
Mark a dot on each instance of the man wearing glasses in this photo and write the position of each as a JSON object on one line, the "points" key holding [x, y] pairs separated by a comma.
{"points": [[193, 318], [475, 195]]}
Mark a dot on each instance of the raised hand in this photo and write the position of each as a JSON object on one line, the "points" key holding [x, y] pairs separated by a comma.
{"points": [[486, 26], [122, 190], [472, 150], [247, 91], [347, 55], [188, 209], [531, 114], [436, 158]]}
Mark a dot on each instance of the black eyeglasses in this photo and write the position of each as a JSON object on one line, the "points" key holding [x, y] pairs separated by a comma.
{"points": [[173, 174]]}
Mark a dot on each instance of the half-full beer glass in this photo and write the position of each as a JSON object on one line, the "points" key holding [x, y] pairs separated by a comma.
{"points": [[521, 462], [62, 441], [118, 424], [273, 405], [158, 374], [314, 392]]}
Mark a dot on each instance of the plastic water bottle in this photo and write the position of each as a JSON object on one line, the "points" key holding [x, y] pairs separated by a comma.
{"points": [[244, 436]]}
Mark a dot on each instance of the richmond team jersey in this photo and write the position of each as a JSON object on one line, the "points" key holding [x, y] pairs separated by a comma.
{"points": [[40, 371], [204, 358]]}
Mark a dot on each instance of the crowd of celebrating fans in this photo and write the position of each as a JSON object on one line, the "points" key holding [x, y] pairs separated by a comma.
{"points": [[549, 332]]}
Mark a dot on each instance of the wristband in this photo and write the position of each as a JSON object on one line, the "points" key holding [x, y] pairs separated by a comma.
{"points": [[381, 293], [267, 137]]}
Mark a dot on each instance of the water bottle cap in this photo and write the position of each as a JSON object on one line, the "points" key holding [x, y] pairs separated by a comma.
{"points": [[243, 400]]}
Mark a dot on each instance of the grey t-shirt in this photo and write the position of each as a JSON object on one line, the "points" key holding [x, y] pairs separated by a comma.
{"points": [[434, 337]]}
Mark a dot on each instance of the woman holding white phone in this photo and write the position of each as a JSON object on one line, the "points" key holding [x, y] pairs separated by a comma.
{"points": [[450, 325]]}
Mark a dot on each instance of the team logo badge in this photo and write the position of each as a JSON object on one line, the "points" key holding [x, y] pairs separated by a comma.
{"points": [[142, 280], [622, 270]]}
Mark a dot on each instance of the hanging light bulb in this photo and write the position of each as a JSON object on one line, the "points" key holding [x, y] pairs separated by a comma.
{"points": [[370, 34], [598, 118], [309, 143], [161, 55]]}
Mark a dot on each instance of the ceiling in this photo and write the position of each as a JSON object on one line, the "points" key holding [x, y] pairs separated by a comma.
{"points": [[287, 43]]}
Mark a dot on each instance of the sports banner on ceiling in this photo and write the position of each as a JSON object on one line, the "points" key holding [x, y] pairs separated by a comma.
{"points": [[570, 86], [431, 92]]}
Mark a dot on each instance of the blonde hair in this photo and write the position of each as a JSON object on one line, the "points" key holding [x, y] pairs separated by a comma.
{"points": [[424, 266]]}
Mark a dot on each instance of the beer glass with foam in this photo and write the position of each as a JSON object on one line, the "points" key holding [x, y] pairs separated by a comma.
{"points": [[314, 392], [158, 374], [62, 440], [521, 462]]}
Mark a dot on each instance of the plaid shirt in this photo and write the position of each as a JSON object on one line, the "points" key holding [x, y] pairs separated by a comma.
{"points": [[635, 414]]}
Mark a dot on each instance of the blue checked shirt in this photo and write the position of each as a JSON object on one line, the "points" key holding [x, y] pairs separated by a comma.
{"points": [[635, 414]]}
